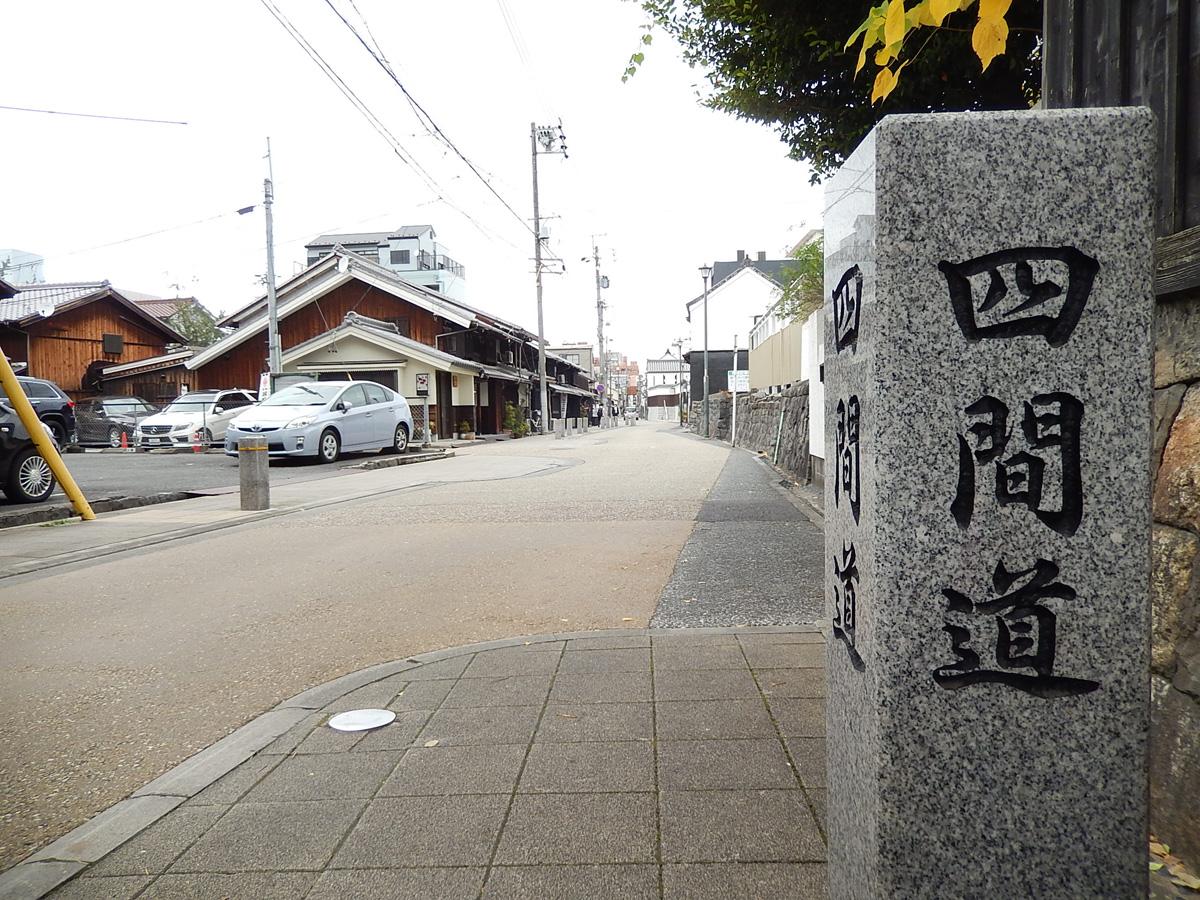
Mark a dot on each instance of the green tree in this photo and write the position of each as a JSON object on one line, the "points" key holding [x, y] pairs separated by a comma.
{"points": [[196, 324], [784, 63], [804, 282]]}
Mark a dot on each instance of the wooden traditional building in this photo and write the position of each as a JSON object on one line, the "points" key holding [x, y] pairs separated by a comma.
{"points": [[68, 333], [346, 316]]}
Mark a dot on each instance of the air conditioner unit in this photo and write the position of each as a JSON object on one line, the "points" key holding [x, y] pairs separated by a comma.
{"points": [[509, 359]]}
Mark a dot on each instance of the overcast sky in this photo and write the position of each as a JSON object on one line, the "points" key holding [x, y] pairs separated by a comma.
{"points": [[665, 184]]}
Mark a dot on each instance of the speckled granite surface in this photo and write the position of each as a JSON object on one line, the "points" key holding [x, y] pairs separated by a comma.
{"points": [[988, 683]]}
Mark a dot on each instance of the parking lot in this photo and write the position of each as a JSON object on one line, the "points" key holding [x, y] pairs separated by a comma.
{"points": [[114, 474]]}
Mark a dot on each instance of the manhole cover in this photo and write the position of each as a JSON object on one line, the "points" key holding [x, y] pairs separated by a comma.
{"points": [[361, 719]]}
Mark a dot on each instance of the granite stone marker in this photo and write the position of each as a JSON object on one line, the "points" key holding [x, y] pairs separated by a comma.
{"points": [[988, 393]]}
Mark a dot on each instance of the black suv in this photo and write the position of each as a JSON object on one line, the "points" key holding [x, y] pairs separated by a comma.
{"points": [[24, 476], [52, 405]]}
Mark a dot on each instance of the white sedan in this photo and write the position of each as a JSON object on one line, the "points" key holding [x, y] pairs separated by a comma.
{"points": [[325, 419]]}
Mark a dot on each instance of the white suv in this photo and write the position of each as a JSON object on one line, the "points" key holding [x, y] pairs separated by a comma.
{"points": [[197, 417]]}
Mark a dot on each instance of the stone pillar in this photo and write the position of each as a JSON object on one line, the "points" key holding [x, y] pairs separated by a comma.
{"points": [[988, 430], [254, 473]]}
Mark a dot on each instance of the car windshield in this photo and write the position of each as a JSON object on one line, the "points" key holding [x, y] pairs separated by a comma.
{"points": [[191, 403], [131, 407], [312, 394]]}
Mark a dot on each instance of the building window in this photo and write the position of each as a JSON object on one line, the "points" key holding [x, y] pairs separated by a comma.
{"points": [[113, 343], [401, 257]]}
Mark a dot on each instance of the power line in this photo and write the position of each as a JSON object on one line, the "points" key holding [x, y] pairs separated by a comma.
{"points": [[423, 115], [59, 112], [375, 122], [136, 237]]}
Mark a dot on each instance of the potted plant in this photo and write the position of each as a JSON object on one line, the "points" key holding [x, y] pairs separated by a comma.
{"points": [[466, 430]]}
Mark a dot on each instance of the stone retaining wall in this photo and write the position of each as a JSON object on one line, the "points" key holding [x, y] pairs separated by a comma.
{"points": [[1175, 581], [759, 427]]}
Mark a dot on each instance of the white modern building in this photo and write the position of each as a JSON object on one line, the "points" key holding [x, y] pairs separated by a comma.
{"points": [[411, 251]]}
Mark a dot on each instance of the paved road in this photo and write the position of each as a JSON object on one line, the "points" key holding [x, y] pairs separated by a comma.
{"points": [[132, 474], [753, 559], [114, 671]]}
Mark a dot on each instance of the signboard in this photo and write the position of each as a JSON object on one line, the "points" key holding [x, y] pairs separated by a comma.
{"points": [[264, 386], [422, 384], [739, 380], [599, 388]]}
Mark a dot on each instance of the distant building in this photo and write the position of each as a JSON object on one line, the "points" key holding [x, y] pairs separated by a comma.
{"points": [[19, 267], [665, 379], [738, 291], [411, 251], [776, 341], [577, 354]]}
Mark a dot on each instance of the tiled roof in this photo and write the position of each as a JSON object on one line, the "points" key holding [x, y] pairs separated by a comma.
{"points": [[368, 237], [772, 268], [32, 298], [163, 308]]}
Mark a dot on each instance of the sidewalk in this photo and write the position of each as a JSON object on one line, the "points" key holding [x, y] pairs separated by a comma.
{"points": [[638, 764]]}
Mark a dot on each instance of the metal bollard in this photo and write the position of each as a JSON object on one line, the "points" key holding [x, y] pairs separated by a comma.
{"points": [[254, 473]]}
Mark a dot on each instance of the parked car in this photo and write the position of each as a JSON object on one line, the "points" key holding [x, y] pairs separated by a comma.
{"points": [[25, 476], [202, 413], [325, 419], [104, 420], [52, 405]]}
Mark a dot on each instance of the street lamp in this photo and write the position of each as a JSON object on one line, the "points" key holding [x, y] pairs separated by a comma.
{"points": [[706, 273]]}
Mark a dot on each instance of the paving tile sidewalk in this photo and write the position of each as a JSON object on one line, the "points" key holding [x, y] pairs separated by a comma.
{"points": [[633, 764]]}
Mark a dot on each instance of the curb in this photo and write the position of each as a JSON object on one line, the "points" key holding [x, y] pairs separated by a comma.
{"points": [[38, 874], [40, 514], [388, 462]]}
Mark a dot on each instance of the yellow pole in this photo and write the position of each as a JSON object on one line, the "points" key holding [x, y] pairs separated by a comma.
{"points": [[45, 446]]}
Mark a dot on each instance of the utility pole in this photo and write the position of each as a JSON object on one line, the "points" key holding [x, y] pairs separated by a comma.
{"points": [[545, 136], [600, 335], [733, 425], [679, 346], [706, 273], [274, 351]]}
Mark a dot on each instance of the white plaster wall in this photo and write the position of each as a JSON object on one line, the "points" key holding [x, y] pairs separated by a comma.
{"points": [[812, 357], [732, 307]]}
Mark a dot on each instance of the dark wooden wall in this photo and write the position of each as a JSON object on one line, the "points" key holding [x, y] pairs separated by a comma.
{"points": [[1139, 53], [64, 345], [241, 367]]}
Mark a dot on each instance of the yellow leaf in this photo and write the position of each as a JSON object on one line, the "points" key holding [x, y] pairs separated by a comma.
{"points": [[1184, 879], [1159, 848], [893, 27], [988, 39], [885, 82], [922, 14], [939, 9], [993, 9], [862, 58], [886, 54], [1155, 866]]}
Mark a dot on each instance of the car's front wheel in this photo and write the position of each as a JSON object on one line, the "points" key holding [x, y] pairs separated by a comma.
{"points": [[399, 440], [30, 478], [329, 448], [59, 430], [114, 436]]}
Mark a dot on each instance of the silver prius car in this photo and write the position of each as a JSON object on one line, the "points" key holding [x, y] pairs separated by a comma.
{"points": [[325, 419]]}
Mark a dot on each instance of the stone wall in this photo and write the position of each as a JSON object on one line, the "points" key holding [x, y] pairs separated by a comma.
{"points": [[1175, 584], [759, 426]]}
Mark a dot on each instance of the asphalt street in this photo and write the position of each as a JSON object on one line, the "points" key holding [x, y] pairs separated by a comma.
{"points": [[116, 669], [109, 474]]}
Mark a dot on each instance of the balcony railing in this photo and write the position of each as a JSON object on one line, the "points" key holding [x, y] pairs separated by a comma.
{"points": [[439, 261]]}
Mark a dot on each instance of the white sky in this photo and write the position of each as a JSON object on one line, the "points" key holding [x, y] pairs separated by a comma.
{"points": [[669, 185]]}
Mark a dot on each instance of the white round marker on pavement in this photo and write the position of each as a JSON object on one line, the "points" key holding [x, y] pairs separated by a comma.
{"points": [[361, 719]]}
